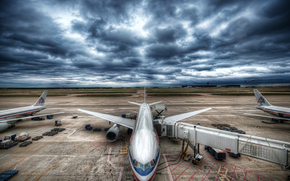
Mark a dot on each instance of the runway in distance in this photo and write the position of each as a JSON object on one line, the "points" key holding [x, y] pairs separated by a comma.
{"points": [[10, 116], [144, 147], [264, 105]]}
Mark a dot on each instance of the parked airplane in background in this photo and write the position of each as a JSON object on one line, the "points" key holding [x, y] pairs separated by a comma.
{"points": [[144, 148], [265, 106], [10, 116]]}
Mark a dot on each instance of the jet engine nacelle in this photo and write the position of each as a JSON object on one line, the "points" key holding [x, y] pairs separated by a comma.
{"points": [[113, 133], [4, 126]]}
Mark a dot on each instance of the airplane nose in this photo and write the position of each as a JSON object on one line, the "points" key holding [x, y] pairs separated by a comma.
{"points": [[141, 178], [145, 178]]}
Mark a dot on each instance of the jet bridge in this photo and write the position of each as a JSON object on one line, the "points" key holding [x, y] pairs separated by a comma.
{"points": [[259, 147]]}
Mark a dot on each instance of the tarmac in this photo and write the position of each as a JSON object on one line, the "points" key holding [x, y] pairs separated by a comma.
{"points": [[80, 154]]}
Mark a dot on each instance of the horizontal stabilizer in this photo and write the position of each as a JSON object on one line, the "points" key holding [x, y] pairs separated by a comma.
{"points": [[29, 117], [180, 117], [135, 103], [287, 119], [129, 123], [154, 103]]}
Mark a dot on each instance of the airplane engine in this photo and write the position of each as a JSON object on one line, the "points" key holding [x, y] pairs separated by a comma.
{"points": [[113, 133], [4, 126]]}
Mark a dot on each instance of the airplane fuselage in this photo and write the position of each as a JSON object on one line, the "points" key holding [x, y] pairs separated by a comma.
{"points": [[144, 148], [22, 111], [276, 110]]}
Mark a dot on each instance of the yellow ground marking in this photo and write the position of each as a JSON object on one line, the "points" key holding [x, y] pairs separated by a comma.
{"points": [[123, 147], [222, 177]]}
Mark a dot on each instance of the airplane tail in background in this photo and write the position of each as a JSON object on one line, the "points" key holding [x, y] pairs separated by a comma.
{"points": [[261, 99], [41, 99]]}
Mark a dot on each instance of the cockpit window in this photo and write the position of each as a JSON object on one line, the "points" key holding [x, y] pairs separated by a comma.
{"points": [[135, 163], [152, 163], [147, 166], [140, 165]]}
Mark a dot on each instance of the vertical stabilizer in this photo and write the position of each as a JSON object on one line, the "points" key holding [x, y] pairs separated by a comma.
{"points": [[261, 99], [144, 94], [41, 99]]}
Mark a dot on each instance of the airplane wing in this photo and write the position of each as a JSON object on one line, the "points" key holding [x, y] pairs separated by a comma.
{"points": [[154, 103], [118, 120], [268, 116], [135, 103], [179, 117], [13, 120]]}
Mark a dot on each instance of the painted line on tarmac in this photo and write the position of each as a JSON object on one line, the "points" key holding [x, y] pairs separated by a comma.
{"points": [[244, 170], [3, 157], [245, 175], [221, 171], [250, 172], [198, 168], [177, 166], [173, 159], [49, 163], [209, 170], [184, 171], [71, 133], [233, 173], [167, 165], [122, 168], [168, 155], [101, 144], [77, 139]]}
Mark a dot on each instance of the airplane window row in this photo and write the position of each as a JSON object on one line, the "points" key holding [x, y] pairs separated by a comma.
{"points": [[146, 166]]}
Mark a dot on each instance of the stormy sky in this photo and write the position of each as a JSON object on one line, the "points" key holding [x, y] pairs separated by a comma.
{"points": [[143, 43]]}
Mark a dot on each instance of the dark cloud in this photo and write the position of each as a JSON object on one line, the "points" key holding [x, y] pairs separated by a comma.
{"points": [[169, 34], [149, 42], [121, 36], [275, 9], [166, 72], [190, 14], [81, 27], [31, 40], [162, 51]]}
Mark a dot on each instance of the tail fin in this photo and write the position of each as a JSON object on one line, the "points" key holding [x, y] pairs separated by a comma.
{"points": [[40, 101], [261, 99]]}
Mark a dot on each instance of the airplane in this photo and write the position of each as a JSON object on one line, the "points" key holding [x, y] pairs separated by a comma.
{"points": [[10, 116], [144, 148], [250, 80], [264, 105]]}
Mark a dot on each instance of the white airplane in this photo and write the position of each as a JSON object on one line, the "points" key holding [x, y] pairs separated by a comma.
{"points": [[10, 116], [265, 106], [144, 147]]}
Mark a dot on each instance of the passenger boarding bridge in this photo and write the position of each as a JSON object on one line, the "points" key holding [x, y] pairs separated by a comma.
{"points": [[258, 147]]}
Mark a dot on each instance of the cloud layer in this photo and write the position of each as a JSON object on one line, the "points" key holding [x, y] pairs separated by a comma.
{"points": [[137, 43]]}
